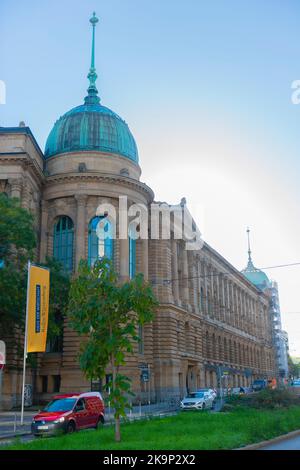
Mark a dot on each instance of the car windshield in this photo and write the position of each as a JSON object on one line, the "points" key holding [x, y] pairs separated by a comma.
{"points": [[62, 404], [195, 395]]}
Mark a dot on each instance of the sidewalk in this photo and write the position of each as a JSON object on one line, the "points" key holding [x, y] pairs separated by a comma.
{"points": [[10, 423]]}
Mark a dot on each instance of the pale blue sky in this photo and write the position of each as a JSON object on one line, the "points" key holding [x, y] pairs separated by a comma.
{"points": [[205, 87]]}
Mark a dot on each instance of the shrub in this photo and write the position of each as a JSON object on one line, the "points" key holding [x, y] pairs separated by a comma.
{"points": [[267, 398], [277, 398]]}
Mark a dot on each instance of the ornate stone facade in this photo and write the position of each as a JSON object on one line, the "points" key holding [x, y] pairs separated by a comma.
{"points": [[210, 318], [209, 315]]}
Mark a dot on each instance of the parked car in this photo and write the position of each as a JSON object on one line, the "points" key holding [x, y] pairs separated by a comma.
{"points": [[295, 383], [211, 391], [238, 391], [197, 401], [208, 390], [259, 384], [69, 413]]}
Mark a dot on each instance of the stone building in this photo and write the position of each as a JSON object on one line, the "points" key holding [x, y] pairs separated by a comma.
{"points": [[210, 319], [280, 337]]}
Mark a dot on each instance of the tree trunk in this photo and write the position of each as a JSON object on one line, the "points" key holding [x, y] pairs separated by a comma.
{"points": [[117, 430], [117, 416]]}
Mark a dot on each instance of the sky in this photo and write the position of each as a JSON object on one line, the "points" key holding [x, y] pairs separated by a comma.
{"points": [[205, 86]]}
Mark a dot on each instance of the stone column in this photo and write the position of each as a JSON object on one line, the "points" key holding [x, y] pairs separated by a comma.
{"points": [[185, 277], [16, 187], [80, 227], [44, 231], [194, 282], [25, 203], [145, 256], [124, 259], [175, 271]]}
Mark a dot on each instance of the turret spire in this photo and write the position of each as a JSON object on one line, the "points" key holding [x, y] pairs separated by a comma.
{"points": [[250, 262], [92, 97], [249, 248]]}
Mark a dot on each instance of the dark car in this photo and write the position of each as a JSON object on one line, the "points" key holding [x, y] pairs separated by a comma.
{"points": [[259, 384], [69, 413]]}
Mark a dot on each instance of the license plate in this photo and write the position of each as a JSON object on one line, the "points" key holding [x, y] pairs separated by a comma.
{"points": [[43, 427]]}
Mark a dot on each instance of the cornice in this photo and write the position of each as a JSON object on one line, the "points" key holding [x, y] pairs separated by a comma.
{"points": [[100, 177], [23, 159]]}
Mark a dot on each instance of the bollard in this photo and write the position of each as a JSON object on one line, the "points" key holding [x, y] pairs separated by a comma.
{"points": [[15, 423]]}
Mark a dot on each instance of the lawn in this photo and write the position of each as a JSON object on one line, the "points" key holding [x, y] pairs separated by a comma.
{"points": [[189, 430]]}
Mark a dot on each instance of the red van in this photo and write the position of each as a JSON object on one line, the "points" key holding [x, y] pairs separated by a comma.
{"points": [[68, 413]]}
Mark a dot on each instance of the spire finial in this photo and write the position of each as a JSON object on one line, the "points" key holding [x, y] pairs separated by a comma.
{"points": [[249, 248], [92, 97]]}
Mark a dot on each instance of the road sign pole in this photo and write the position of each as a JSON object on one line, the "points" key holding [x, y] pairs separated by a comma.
{"points": [[149, 399], [1, 388], [25, 345], [2, 364]]}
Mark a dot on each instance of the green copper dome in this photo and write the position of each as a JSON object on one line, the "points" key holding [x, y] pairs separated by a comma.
{"points": [[254, 275], [91, 126]]}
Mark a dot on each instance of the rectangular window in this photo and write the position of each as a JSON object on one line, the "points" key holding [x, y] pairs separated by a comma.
{"points": [[56, 383], [96, 385], [44, 383]]}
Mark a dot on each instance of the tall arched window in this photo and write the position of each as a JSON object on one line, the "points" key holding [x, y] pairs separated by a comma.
{"points": [[63, 242], [132, 257], [100, 247]]}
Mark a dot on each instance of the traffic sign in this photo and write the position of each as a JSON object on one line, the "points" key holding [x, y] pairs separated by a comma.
{"points": [[145, 375]]}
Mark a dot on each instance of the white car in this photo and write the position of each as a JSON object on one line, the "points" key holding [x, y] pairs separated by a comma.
{"points": [[197, 401], [212, 391]]}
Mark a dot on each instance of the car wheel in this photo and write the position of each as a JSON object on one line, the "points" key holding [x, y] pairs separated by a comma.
{"points": [[71, 427], [203, 406], [100, 422]]}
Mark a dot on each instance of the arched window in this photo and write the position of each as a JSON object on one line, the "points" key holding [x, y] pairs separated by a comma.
{"points": [[100, 247], [63, 242], [132, 257]]}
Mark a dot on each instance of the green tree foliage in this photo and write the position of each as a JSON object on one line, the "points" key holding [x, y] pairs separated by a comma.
{"points": [[17, 242], [58, 298], [294, 368], [107, 314]]}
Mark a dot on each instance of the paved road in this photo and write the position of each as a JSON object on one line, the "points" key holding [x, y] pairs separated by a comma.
{"points": [[289, 444]]}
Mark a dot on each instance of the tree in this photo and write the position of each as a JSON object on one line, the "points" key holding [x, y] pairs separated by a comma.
{"points": [[294, 368], [17, 243], [58, 298], [108, 314]]}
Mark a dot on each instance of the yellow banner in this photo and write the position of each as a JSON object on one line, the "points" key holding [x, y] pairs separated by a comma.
{"points": [[38, 308]]}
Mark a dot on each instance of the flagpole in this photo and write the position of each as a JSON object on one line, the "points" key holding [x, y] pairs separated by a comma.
{"points": [[25, 345]]}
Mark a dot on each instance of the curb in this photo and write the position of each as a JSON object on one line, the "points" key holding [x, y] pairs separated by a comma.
{"points": [[262, 444], [13, 436]]}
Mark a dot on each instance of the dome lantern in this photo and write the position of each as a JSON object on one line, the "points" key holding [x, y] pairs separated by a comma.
{"points": [[91, 126]]}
